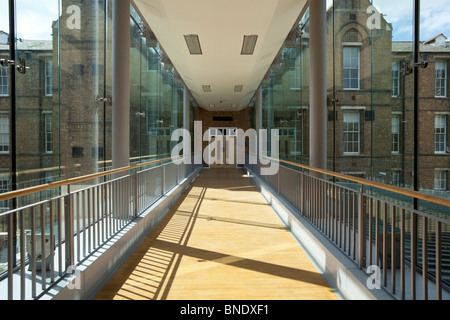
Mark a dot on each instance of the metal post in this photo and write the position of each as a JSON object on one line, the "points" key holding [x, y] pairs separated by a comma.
{"points": [[362, 229], [121, 84], [258, 109], [69, 229], [318, 87], [416, 146], [187, 122], [186, 109]]}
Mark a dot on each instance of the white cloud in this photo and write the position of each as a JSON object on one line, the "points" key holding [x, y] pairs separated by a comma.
{"points": [[33, 18]]}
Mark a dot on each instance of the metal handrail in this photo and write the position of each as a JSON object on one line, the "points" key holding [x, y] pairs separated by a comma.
{"points": [[27, 191], [410, 193], [363, 226]]}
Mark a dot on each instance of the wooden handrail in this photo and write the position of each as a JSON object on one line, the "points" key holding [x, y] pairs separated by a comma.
{"points": [[26, 191], [410, 193]]}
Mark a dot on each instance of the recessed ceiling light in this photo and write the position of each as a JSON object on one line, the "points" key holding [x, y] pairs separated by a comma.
{"points": [[206, 88], [238, 88], [212, 105], [234, 105], [249, 44], [193, 43]]}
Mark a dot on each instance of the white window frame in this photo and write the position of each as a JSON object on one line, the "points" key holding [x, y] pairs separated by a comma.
{"points": [[350, 68], [396, 79], [395, 134], [48, 132], [295, 76], [440, 134], [4, 133], [441, 75], [48, 77], [396, 178], [4, 81], [4, 187], [351, 132], [440, 180], [150, 59]]}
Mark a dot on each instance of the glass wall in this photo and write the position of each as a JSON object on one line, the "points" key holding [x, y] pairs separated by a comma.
{"points": [[285, 97], [371, 119], [156, 98], [382, 126], [63, 109]]}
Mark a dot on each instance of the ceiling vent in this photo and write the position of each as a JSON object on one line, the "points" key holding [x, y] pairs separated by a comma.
{"points": [[238, 88], [249, 44], [193, 44]]}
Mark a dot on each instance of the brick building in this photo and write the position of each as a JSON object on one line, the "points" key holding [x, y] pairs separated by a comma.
{"points": [[371, 124], [37, 156]]}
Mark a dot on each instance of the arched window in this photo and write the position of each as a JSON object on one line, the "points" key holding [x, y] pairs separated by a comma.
{"points": [[352, 35]]}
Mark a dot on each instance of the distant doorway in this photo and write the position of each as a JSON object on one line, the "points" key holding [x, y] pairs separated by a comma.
{"points": [[224, 154]]}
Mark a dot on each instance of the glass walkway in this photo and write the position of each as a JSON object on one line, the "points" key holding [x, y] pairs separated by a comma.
{"points": [[221, 240]]}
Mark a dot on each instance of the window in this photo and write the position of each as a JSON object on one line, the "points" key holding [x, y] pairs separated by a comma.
{"points": [[440, 180], [351, 68], [352, 132], [48, 132], [3, 81], [395, 134], [4, 187], [48, 78], [395, 79], [441, 79], [295, 83], [4, 133], [396, 178], [440, 134], [152, 59]]}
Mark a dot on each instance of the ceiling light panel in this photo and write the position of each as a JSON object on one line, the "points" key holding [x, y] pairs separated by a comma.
{"points": [[193, 44], [206, 88], [249, 44], [238, 88]]}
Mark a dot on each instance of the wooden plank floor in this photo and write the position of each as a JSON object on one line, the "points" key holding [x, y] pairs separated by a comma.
{"points": [[221, 241]]}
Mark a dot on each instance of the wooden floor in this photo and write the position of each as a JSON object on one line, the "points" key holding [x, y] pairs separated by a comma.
{"points": [[221, 241]]}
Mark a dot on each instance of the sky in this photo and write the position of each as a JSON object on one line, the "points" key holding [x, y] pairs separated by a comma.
{"points": [[35, 17]]}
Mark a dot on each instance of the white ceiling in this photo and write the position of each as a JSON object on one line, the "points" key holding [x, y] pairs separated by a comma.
{"points": [[221, 26]]}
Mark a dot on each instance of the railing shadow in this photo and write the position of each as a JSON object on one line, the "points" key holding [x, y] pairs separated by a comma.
{"points": [[149, 272]]}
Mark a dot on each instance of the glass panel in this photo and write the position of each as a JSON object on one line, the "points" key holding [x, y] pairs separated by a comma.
{"points": [[285, 101]]}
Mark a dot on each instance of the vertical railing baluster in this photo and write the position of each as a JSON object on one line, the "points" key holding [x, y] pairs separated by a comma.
{"points": [[354, 225], [370, 254], [10, 253], [402, 254], [60, 213], [393, 251], [43, 251], [438, 260], [339, 211], [70, 232], [385, 243], [362, 244], [88, 223], [33, 254], [22, 255], [350, 209], [81, 215], [52, 243], [377, 232], [424, 258], [413, 254]]}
